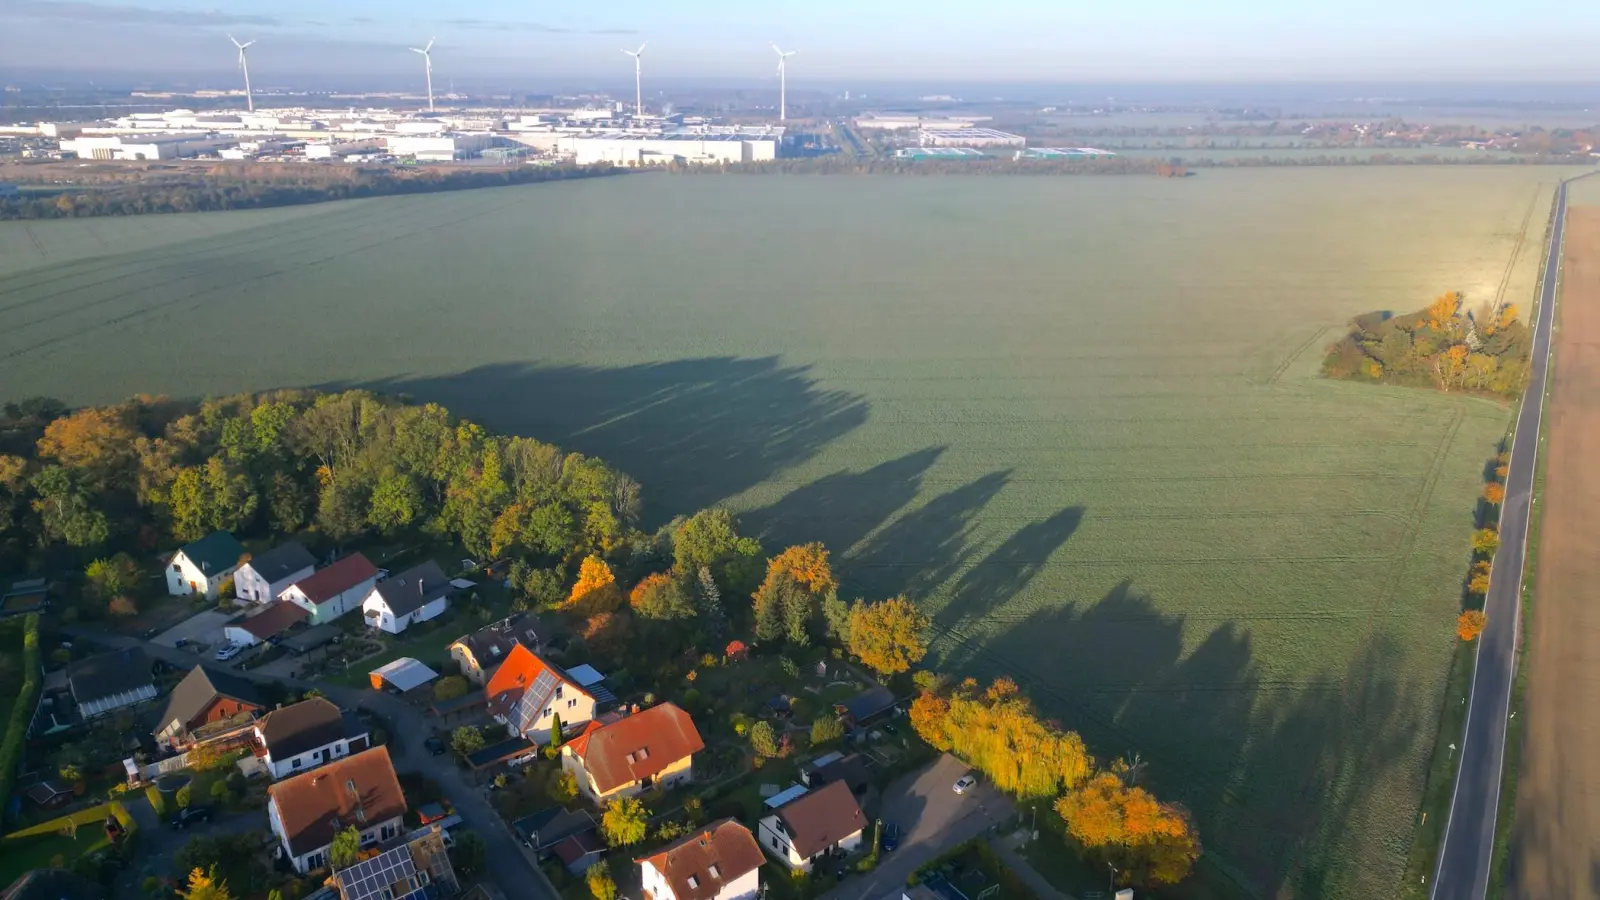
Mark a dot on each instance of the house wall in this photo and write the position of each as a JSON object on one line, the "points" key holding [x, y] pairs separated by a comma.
{"points": [[574, 707], [680, 772], [185, 578], [336, 605], [469, 664], [222, 708], [247, 585], [305, 762], [386, 619], [318, 858]]}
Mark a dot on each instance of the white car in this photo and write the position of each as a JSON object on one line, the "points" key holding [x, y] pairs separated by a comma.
{"points": [[229, 652], [967, 783]]}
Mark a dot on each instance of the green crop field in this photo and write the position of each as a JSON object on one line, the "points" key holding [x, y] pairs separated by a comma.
{"points": [[1077, 418]]}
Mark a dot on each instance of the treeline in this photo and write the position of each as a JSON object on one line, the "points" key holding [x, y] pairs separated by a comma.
{"points": [[151, 472], [1117, 165], [225, 189], [997, 731], [1444, 347]]}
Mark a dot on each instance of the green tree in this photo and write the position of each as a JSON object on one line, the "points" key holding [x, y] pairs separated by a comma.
{"points": [[466, 740], [287, 502], [708, 599], [221, 794], [65, 511], [470, 854], [345, 851], [624, 822], [662, 597], [540, 588], [113, 577], [710, 539], [836, 613], [396, 502], [184, 795], [555, 730]]}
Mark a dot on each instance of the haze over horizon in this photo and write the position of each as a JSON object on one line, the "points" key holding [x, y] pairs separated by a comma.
{"points": [[1008, 41]]}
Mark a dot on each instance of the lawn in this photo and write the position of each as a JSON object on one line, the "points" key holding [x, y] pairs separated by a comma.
{"points": [[1078, 419]]}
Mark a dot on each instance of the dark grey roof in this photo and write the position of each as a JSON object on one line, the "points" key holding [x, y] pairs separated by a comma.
{"points": [[491, 644], [413, 588], [109, 673], [202, 685], [304, 727], [216, 552], [548, 827], [282, 561], [869, 703]]}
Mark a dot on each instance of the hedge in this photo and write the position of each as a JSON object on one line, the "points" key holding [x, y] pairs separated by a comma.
{"points": [[82, 818], [22, 713], [158, 802]]}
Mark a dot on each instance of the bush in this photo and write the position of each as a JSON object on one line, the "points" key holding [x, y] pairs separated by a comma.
{"points": [[185, 794], [221, 794], [450, 687], [158, 801]]}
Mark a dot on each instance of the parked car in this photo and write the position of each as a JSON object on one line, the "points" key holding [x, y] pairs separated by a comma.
{"points": [[435, 745], [191, 815], [891, 837], [181, 643], [229, 652], [967, 783]]}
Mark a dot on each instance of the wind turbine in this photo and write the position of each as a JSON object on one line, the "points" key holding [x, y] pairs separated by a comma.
{"points": [[638, 77], [783, 82], [249, 99], [427, 64]]}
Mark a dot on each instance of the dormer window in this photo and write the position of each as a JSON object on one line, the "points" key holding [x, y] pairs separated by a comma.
{"points": [[644, 753], [630, 759], [715, 872], [693, 882]]}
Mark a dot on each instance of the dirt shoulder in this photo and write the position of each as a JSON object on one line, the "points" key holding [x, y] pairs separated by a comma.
{"points": [[1557, 830]]}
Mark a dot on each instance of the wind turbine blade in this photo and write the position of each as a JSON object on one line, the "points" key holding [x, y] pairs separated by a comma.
{"points": [[246, 44], [234, 39], [640, 51], [430, 45]]}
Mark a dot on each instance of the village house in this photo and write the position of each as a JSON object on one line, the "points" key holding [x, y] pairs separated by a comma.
{"points": [[624, 756], [826, 820], [306, 735], [202, 567], [264, 577], [361, 791], [274, 619], [103, 684], [415, 595], [481, 653], [335, 590], [528, 695], [719, 861], [207, 703]]}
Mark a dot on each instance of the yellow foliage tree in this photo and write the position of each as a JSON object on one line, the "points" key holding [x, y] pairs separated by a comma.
{"points": [[1470, 624], [808, 564], [888, 635], [1150, 841], [999, 734], [596, 590], [1494, 493], [205, 885]]}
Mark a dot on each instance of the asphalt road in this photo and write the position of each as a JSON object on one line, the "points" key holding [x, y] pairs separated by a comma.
{"points": [[509, 863], [1463, 868]]}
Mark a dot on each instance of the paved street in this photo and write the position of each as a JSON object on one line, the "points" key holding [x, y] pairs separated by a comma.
{"points": [[509, 864], [933, 818], [1463, 868]]}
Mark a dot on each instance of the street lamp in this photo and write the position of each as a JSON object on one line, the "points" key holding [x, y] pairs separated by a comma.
{"points": [[1113, 877]]}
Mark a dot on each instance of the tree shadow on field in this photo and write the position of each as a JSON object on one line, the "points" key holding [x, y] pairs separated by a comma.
{"points": [[692, 431], [1007, 571], [1277, 773], [841, 509], [924, 548]]}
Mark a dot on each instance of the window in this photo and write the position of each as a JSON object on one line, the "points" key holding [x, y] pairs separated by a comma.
{"points": [[715, 872], [558, 691], [314, 861], [777, 844], [571, 703], [693, 882], [296, 763], [644, 752], [177, 568], [388, 832], [548, 710]]}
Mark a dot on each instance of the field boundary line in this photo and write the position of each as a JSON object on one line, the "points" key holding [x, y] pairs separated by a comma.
{"points": [[1516, 249], [1283, 367]]}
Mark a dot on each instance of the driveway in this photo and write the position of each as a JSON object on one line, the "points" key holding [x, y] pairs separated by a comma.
{"points": [[200, 628], [158, 842], [933, 819]]}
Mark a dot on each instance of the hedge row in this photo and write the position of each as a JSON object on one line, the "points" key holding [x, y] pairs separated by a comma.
{"points": [[22, 712]]}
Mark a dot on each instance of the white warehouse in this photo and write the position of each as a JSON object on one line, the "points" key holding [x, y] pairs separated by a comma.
{"points": [[439, 148], [630, 150], [143, 146]]}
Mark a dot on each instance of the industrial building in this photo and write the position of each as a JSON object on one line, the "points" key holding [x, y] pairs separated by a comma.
{"points": [[1064, 153], [915, 122], [632, 150], [939, 153], [439, 147], [143, 146], [969, 137]]}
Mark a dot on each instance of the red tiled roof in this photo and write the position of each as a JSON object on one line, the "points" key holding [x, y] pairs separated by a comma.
{"points": [[313, 807], [638, 747], [726, 844], [275, 619], [520, 670], [343, 575]]}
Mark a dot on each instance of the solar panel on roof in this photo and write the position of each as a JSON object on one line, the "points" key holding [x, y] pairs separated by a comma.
{"points": [[531, 708], [367, 880]]}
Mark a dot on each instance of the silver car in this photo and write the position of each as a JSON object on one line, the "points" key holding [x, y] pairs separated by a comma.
{"points": [[967, 783]]}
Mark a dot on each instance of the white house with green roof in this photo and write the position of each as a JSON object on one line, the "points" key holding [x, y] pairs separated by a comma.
{"points": [[204, 565]]}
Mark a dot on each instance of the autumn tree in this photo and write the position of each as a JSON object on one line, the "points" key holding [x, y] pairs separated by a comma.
{"points": [[345, 851], [599, 882], [1148, 841], [596, 591], [764, 740], [205, 885], [888, 635], [607, 633], [808, 565], [998, 732], [1470, 624], [662, 597], [1478, 583], [1494, 493], [624, 822], [1485, 541], [826, 729], [96, 443]]}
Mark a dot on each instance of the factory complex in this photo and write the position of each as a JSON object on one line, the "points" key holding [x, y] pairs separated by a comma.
{"points": [[582, 135]]}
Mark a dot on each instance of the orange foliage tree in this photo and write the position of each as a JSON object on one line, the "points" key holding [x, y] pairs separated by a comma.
{"points": [[998, 732], [1470, 624], [1494, 493], [888, 635], [96, 441], [596, 590], [1148, 841], [807, 564], [606, 633]]}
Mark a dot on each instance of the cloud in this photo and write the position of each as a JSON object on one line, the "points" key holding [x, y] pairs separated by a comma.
{"points": [[110, 14], [531, 26]]}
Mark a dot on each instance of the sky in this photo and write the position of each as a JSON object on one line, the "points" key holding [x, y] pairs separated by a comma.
{"points": [[839, 41]]}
